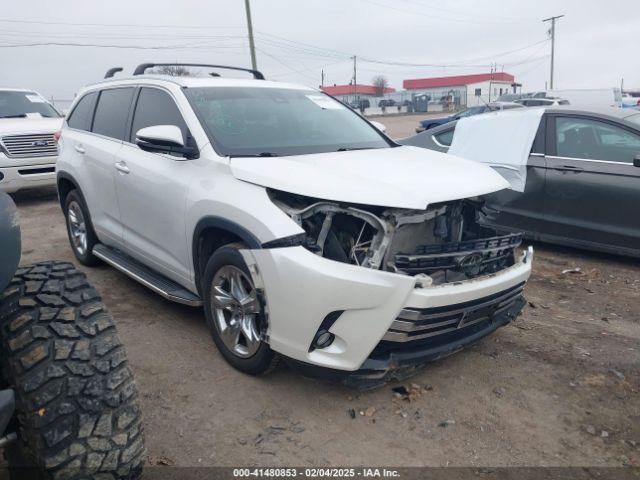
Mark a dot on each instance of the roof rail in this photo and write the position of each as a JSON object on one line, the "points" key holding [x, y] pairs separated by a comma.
{"points": [[112, 71], [140, 69]]}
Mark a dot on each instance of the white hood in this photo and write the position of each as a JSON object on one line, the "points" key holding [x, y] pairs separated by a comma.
{"points": [[20, 126], [401, 177]]}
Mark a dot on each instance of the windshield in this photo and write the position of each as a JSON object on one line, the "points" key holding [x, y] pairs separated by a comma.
{"points": [[277, 122], [19, 104]]}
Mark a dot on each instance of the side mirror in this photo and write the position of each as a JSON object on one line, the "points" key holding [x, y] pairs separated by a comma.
{"points": [[379, 126], [164, 139], [636, 161]]}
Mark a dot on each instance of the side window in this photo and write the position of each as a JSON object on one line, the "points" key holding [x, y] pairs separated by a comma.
{"points": [[155, 107], [82, 114], [445, 138], [112, 112], [595, 140]]}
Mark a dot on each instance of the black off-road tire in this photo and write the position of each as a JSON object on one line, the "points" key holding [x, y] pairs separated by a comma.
{"points": [[76, 402], [264, 360], [87, 258]]}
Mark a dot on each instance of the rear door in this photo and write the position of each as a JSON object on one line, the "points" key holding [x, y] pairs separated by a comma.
{"points": [[593, 189], [98, 151], [152, 189]]}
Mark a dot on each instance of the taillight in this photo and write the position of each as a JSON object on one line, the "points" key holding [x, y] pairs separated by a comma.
{"points": [[56, 136], [638, 104]]}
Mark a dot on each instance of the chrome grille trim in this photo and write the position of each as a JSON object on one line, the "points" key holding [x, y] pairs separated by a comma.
{"points": [[414, 324], [21, 146]]}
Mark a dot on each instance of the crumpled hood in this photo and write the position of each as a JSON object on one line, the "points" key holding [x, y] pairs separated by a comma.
{"points": [[401, 177], [19, 126]]}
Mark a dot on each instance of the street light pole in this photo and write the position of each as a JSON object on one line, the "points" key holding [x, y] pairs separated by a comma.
{"points": [[252, 46], [553, 44]]}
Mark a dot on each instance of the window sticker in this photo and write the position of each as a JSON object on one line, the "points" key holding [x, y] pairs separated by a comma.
{"points": [[35, 98], [325, 102]]}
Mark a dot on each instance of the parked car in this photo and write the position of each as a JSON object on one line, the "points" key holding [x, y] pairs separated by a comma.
{"points": [[302, 230], [387, 102], [477, 110], [68, 402], [27, 146], [541, 102], [582, 180], [360, 104], [631, 100]]}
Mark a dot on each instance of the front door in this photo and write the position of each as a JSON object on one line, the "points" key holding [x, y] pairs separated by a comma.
{"points": [[152, 189], [524, 212], [593, 189]]}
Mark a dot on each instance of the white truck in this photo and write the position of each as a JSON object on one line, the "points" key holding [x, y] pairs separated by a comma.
{"points": [[28, 149]]}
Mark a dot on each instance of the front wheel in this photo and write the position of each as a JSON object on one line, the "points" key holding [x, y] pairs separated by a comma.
{"points": [[234, 313]]}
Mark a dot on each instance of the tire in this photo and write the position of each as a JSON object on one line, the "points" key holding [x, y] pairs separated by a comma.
{"points": [[257, 358], [76, 402], [75, 207]]}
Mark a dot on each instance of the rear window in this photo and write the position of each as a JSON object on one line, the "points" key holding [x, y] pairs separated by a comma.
{"points": [[81, 116], [112, 112]]}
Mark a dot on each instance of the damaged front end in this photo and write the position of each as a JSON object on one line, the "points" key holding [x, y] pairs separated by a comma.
{"points": [[445, 243]]}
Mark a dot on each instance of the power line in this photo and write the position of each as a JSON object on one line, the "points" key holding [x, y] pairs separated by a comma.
{"points": [[126, 25], [474, 14], [135, 47], [431, 16]]}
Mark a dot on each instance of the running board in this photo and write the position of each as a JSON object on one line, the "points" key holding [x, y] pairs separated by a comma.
{"points": [[147, 277]]}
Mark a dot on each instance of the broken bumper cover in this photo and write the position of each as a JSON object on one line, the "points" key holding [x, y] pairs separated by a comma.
{"points": [[381, 320]]}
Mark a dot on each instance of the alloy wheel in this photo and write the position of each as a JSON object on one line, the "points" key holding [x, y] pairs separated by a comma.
{"points": [[236, 311]]}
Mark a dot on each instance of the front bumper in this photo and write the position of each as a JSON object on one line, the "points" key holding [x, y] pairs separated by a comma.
{"points": [[17, 178], [364, 308]]}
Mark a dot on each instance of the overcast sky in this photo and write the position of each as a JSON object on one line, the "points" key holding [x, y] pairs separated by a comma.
{"points": [[596, 41]]}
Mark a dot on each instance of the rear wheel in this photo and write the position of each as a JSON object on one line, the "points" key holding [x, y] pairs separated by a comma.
{"points": [[76, 403], [234, 313], [79, 229]]}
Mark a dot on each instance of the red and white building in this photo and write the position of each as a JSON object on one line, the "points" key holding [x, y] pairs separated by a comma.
{"points": [[465, 89], [347, 93]]}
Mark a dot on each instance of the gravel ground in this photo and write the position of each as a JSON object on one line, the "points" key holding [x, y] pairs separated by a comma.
{"points": [[558, 387]]}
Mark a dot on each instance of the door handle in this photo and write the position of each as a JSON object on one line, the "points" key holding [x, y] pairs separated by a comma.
{"points": [[79, 149], [570, 168], [122, 167]]}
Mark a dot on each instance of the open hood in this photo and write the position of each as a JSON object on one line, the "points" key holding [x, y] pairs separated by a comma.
{"points": [[19, 126], [401, 177]]}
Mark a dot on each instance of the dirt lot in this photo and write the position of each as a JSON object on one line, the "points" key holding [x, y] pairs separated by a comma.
{"points": [[557, 387]]}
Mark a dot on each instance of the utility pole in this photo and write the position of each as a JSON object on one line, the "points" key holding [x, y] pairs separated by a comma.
{"points": [[553, 44], [252, 46], [355, 78]]}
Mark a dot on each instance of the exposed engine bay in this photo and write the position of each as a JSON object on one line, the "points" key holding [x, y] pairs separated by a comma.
{"points": [[445, 243]]}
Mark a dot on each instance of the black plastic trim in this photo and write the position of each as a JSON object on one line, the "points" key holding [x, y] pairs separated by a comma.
{"points": [[290, 241], [140, 69], [398, 365], [112, 71]]}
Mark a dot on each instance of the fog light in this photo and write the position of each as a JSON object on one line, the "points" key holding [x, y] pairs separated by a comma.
{"points": [[323, 339]]}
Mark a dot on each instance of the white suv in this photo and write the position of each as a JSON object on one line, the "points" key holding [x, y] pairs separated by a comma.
{"points": [[302, 229], [28, 151]]}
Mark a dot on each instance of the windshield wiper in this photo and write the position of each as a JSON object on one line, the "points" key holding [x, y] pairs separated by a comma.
{"points": [[261, 154], [21, 115], [349, 149]]}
